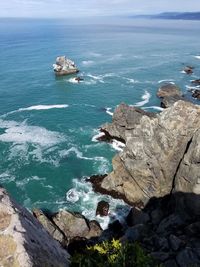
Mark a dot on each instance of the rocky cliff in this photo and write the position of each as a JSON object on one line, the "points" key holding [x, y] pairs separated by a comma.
{"points": [[23, 240], [162, 152]]}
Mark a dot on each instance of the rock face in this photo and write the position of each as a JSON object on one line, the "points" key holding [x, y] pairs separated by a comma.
{"points": [[124, 117], [23, 240], [169, 94], [172, 239], [157, 148]]}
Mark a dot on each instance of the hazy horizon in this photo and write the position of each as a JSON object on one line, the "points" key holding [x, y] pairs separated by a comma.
{"points": [[90, 8]]}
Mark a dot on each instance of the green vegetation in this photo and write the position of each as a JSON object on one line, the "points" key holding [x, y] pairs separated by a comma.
{"points": [[113, 254]]}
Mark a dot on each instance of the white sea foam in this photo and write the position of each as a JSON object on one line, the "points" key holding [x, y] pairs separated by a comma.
{"points": [[20, 132], [93, 54], [37, 107], [146, 96], [43, 107], [192, 87], [74, 80], [6, 177], [98, 78], [96, 136], [197, 57], [167, 81], [117, 145], [109, 112], [25, 181], [87, 62], [133, 81], [85, 199], [154, 107]]}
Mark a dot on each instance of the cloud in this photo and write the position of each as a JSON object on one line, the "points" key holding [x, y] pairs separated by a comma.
{"points": [[73, 8]]}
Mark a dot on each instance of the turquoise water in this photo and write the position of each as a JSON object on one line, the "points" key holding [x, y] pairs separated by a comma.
{"points": [[47, 123]]}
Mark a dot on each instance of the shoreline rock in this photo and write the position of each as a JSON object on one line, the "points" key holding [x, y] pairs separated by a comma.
{"points": [[149, 163]]}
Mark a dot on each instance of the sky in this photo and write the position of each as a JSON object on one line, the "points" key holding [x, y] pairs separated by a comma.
{"points": [[82, 8]]}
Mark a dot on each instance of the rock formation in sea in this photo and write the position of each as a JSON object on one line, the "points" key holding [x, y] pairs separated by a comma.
{"points": [[23, 240], [161, 153]]}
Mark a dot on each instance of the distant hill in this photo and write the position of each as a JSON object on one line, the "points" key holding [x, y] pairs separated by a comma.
{"points": [[173, 15]]}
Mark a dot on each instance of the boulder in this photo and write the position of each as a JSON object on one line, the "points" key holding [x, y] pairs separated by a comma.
{"points": [[23, 240], [168, 90], [196, 94], [149, 164], [51, 228], [102, 208], [168, 101], [76, 226], [187, 258], [137, 216]]}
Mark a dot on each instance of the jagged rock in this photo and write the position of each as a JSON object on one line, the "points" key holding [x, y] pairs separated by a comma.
{"points": [[168, 101], [52, 229], [196, 82], [102, 208], [161, 256], [169, 94], [175, 242], [169, 224], [124, 117], [137, 216], [23, 240], [170, 263], [149, 163], [134, 233], [75, 225], [193, 229], [196, 94], [188, 258], [187, 178], [161, 243], [169, 90]]}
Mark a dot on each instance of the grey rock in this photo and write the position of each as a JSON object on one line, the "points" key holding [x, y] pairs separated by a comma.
{"points": [[71, 224], [188, 175], [148, 164], [161, 243], [187, 258], [168, 89], [175, 242], [51, 228], [134, 233], [160, 256], [156, 216], [170, 263], [137, 216], [193, 229], [23, 240], [168, 101], [169, 224]]}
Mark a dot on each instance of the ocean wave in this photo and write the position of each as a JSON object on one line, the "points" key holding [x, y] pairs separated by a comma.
{"points": [[167, 81], [133, 81], [87, 62], [25, 181], [43, 107], [189, 87], [197, 57], [36, 107], [94, 54], [154, 107], [109, 112], [74, 80], [82, 196], [6, 177], [20, 132], [95, 137], [117, 145], [146, 96], [98, 78]]}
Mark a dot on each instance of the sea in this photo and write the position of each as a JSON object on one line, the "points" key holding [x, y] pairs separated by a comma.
{"points": [[49, 125]]}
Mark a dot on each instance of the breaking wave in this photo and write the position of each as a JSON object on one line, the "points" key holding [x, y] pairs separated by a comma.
{"points": [[87, 62], [109, 112], [197, 57], [83, 198], [146, 96]]}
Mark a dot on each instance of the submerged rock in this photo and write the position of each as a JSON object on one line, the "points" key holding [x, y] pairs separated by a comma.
{"points": [[196, 93], [23, 240], [196, 82], [169, 94], [188, 69]]}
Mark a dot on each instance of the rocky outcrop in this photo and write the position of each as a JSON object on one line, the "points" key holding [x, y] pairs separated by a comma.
{"points": [[169, 94], [23, 240], [168, 228], [188, 69], [124, 117], [196, 93], [150, 164]]}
